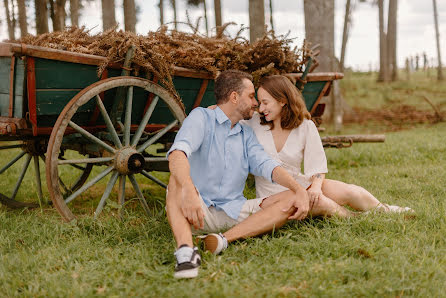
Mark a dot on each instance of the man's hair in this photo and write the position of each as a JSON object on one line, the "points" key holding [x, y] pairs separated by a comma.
{"points": [[281, 89], [227, 82]]}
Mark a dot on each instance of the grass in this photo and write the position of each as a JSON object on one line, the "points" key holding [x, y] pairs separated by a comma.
{"points": [[374, 255]]}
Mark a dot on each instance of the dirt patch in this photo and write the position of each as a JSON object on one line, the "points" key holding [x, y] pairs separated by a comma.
{"points": [[394, 117]]}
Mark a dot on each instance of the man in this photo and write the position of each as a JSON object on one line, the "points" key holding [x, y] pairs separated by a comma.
{"points": [[209, 163]]}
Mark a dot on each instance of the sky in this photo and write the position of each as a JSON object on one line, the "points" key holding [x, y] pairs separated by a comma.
{"points": [[416, 33]]}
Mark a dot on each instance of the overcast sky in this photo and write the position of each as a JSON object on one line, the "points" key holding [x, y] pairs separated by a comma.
{"points": [[416, 31]]}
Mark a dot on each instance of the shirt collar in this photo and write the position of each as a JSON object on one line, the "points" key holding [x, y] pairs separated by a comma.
{"points": [[221, 118]]}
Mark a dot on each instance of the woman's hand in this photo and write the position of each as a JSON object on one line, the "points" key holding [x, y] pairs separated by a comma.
{"points": [[314, 194]]}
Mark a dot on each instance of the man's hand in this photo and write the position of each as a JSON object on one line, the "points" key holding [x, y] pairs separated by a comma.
{"points": [[314, 194], [301, 203], [191, 207]]}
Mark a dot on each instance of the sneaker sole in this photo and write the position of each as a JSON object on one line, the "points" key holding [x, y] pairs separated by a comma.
{"points": [[211, 243], [191, 273]]}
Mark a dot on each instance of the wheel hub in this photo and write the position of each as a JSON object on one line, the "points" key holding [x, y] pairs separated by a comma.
{"points": [[129, 161]]}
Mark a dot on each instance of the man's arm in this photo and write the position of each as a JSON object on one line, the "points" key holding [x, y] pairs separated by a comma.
{"points": [[300, 202], [190, 202]]}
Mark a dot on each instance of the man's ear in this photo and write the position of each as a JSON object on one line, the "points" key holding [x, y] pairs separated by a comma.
{"points": [[233, 97]]}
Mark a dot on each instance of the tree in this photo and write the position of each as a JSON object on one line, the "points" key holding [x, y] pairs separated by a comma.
{"points": [[271, 22], [437, 37], [10, 19], [129, 15], [391, 39], [319, 29], [74, 12], [256, 19], [41, 16], [161, 6], [383, 75], [174, 7], [22, 18], [217, 11], [58, 14], [108, 14], [347, 23]]}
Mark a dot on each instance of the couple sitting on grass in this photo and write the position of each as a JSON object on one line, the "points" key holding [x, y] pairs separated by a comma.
{"points": [[216, 149]]}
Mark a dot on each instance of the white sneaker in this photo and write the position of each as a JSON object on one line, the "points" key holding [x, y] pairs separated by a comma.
{"points": [[215, 243], [188, 261]]}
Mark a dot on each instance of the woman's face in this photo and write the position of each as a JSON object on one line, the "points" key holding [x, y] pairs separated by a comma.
{"points": [[269, 106]]}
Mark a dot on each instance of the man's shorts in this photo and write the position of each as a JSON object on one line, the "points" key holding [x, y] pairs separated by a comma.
{"points": [[218, 221]]}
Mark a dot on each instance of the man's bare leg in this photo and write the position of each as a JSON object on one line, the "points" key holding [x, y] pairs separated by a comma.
{"points": [[179, 224], [272, 216]]}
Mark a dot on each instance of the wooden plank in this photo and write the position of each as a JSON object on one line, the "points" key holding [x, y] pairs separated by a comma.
{"points": [[200, 94], [19, 89], [11, 87], [319, 76], [322, 94], [5, 64], [31, 87]]}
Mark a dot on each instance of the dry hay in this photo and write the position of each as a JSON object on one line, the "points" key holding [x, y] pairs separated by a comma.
{"points": [[158, 51]]}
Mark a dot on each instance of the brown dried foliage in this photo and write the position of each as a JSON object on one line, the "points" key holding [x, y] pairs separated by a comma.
{"points": [[158, 51]]}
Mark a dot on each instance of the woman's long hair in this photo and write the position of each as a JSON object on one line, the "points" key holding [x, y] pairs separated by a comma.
{"points": [[294, 110]]}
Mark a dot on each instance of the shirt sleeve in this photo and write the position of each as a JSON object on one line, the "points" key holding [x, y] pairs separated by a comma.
{"points": [[315, 161], [191, 134], [260, 163]]}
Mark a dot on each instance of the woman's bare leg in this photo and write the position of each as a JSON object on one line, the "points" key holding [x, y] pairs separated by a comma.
{"points": [[352, 195]]}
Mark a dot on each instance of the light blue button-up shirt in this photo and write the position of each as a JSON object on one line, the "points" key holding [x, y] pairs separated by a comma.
{"points": [[221, 157]]}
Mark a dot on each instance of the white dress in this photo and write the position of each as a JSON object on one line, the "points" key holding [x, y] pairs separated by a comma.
{"points": [[303, 144]]}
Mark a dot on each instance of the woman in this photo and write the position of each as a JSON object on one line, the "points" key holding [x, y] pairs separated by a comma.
{"points": [[286, 132]]}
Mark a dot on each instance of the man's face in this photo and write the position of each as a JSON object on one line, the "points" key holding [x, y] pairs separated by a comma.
{"points": [[247, 102]]}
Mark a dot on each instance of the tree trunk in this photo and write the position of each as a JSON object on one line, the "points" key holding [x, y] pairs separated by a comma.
{"points": [[161, 6], [319, 29], [271, 21], [10, 20], [22, 18], [345, 34], [437, 36], [256, 19], [174, 6], [383, 75], [108, 14], [129, 15], [391, 39], [217, 10], [74, 12], [58, 14], [205, 17], [41, 16]]}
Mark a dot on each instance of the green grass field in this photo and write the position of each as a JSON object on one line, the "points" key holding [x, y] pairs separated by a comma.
{"points": [[372, 255]]}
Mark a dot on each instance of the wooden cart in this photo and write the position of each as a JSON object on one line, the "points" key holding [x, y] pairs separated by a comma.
{"points": [[54, 107]]}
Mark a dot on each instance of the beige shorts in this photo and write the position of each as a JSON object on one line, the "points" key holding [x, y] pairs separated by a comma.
{"points": [[218, 221]]}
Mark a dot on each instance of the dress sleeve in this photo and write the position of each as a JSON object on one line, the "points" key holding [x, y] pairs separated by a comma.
{"points": [[191, 134], [315, 161]]}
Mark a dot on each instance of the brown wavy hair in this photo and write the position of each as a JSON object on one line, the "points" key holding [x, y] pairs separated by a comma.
{"points": [[281, 89]]}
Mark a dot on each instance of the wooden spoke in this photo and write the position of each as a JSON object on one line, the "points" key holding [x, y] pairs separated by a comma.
{"points": [[106, 194], [89, 184], [153, 178], [108, 122], [142, 200], [91, 137], [144, 121], [156, 137], [128, 116], [38, 181], [85, 160], [155, 159], [22, 175], [11, 146], [13, 161]]}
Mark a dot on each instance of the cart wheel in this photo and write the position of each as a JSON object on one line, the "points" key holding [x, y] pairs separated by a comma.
{"points": [[28, 151], [123, 154]]}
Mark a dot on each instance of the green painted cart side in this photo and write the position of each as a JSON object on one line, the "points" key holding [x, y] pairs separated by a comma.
{"points": [[54, 103]]}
